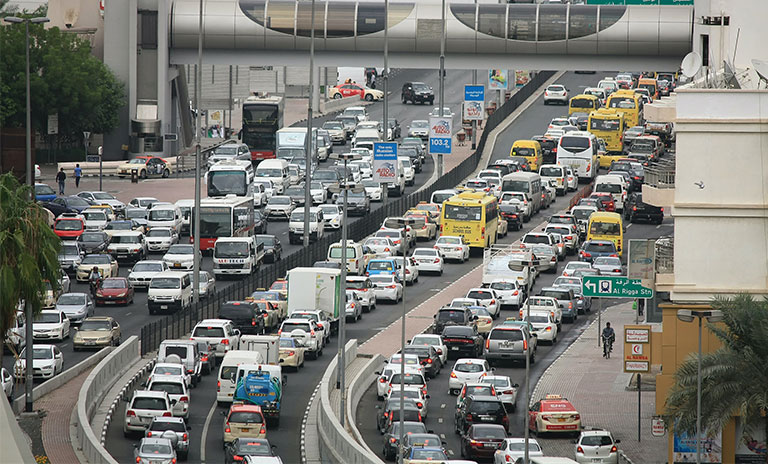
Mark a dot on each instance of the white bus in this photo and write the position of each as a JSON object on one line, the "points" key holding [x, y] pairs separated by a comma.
{"points": [[231, 216], [526, 182], [578, 150], [230, 177]]}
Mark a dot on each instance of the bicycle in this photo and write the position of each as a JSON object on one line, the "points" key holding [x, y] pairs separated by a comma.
{"points": [[607, 346]]}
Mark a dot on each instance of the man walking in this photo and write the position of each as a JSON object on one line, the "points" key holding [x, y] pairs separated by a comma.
{"points": [[78, 175], [61, 176]]}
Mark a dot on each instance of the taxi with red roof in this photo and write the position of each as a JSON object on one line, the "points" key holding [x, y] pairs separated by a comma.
{"points": [[554, 414]]}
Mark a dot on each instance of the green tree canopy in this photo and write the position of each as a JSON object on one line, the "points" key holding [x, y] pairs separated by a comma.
{"points": [[64, 78], [734, 377]]}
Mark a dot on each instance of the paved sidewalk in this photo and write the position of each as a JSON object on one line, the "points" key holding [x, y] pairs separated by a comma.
{"points": [[597, 387]]}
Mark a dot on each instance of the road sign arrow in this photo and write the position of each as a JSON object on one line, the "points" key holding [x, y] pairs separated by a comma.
{"points": [[590, 286]]}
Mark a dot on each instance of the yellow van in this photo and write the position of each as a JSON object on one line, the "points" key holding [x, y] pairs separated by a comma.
{"points": [[629, 104], [606, 226], [583, 104], [530, 150]]}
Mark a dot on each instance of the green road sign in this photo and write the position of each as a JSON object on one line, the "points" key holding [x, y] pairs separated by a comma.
{"points": [[614, 287]]}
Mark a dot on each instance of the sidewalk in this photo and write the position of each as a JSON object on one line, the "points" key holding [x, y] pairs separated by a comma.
{"points": [[597, 387]]}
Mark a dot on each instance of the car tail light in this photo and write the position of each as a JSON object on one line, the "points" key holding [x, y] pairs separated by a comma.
{"points": [[185, 437], [392, 440], [149, 434], [263, 429], [576, 417], [391, 286], [548, 329], [487, 343], [586, 255], [614, 255], [237, 458], [570, 305], [312, 332], [429, 361], [167, 414], [406, 271], [227, 429], [507, 458], [579, 449], [279, 331], [525, 344], [569, 237], [130, 413], [320, 326], [469, 417], [614, 449], [453, 375], [173, 461], [253, 321], [138, 459], [184, 399], [396, 242], [546, 417], [225, 341], [508, 392], [204, 358], [218, 385], [383, 380], [662, 209]]}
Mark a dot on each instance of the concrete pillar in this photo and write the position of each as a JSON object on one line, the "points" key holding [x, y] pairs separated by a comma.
{"points": [[163, 85]]}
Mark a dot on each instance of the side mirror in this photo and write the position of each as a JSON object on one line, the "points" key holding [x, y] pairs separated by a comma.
{"points": [[281, 361], [377, 372], [617, 441], [515, 385]]}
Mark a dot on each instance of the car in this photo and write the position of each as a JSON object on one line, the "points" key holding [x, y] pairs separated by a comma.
{"points": [[76, 306], [71, 202], [373, 190], [419, 128], [428, 260], [114, 290], [145, 167], [143, 271], [279, 206], [387, 287], [569, 236], [358, 203], [128, 245], [393, 129], [291, 353], [163, 369], [180, 256], [448, 316], [97, 332], [425, 227], [465, 370], [51, 324], [106, 264], [411, 269], [508, 291], [417, 92], [161, 238], [7, 383], [127, 225], [636, 210], [510, 342], [69, 226], [44, 193], [512, 214], [565, 300], [488, 298], [398, 237], [143, 406], [353, 308], [177, 389], [453, 247], [220, 333], [103, 198], [93, 242], [596, 445], [207, 286], [556, 93], [608, 265], [332, 215], [433, 340], [168, 427], [592, 249], [483, 321], [363, 289], [481, 440], [254, 448], [427, 357], [383, 266], [155, 451], [336, 131], [355, 90], [512, 449], [553, 413], [391, 411], [47, 362], [306, 331], [392, 436], [474, 389], [244, 421], [381, 246], [273, 249], [544, 325], [605, 200]]}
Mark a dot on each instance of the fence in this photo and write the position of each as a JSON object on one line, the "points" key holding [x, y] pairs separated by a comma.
{"points": [[661, 174], [180, 323]]}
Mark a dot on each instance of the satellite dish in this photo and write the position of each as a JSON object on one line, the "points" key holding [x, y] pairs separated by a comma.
{"points": [[691, 64], [761, 68], [729, 77]]}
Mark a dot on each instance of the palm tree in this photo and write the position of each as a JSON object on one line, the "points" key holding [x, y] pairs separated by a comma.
{"points": [[28, 251], [734, 377]]}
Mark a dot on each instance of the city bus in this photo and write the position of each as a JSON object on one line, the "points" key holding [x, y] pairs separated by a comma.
{"points": [[223, 217], [472, 215], [608, 124], [583, 104], [578, 150], [262, 118], [230, 177], [606, 226], [629, 103]]}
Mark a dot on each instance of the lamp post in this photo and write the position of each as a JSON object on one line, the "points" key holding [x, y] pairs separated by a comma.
{"points": [[198, 155], [310, 141], [403, 222], [442, 82], [688, 315], [343, 189], [30, 182], [528, 288]]}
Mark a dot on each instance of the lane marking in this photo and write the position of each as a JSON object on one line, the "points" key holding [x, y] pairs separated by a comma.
{"points": [[442, 435], [205, 431], [629, 225], [128, 313], [658, 226], [450, 452], [439, 420]]}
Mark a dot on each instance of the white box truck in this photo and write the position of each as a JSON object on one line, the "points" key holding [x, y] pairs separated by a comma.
{"points": [[509, 262], [267, 345], [316, 289], [237, 256]]}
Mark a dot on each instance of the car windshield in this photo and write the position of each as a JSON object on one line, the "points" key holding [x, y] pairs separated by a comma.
{"points": [[451, 315], [165, 282], [95, 215], [582, 214], [551, 172], [469, 367], [48, 318], [161, 215], [161, 426], [136, 214], [96, 259], [71, 299], [68, 224], [98, 326], [92, 237], [208, 331], [463, 213], [157, 404], [280, 201], [427, 454], [596, 440], [480, 294], [408, 379], [607, 261], [537, 319], [126, 239], [298, 216], [520, 447], [379, 279], [172, 388], [159, 232], [605, 228], [499, 334], [113, 283], [155, 448], [168, 370], [600, 247], [609, 188], [147, 267], [231, 249], [419, 124], [253, 448], [180, 249]]}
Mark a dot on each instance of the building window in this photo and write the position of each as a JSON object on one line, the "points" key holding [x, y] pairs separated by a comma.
{"points": [[705, 49], [492, 20], [148, 32], [522, 22], [552, 22]]}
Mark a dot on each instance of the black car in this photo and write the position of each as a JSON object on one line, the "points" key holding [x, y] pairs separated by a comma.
{"points": [[390, 412], [522, 163], [245, 315], [73, 203], [463, 340], [260, 222], [357, 203], [56, 208], [413, 154], [326, 176], [296, 193], [482, 440], [93, 242], [513, 216], [449, 316], [394, 125], [477, 409], [428, 358], [273, 249], [417, 92], [636, 174], [242, 447], [392, 436], [635, 209], [417, 146]]}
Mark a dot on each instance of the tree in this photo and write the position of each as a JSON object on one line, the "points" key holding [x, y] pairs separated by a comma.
{"points": [[64, 78], [28, 251], [734, 377]]}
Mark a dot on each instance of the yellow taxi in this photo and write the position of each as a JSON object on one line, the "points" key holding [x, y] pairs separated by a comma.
{"points": [[244, 421], [107, 210], [554, 414], [424, 226], [530, 150], [291, 353], [484, 322], [432, 208]]}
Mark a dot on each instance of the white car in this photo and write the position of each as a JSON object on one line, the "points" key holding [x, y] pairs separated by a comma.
{"points": [[180, 256], [381, 246], [410, 173], [103, 198], [47, 361], [411, 269], [143, 271], [512, 449], [95, 219], [387, 287], [373, 190], [6, 381], [279, 206], [145, 405], [508, 291], [411, 362], [521, 200], [397, 237], [304, 331], [453, 247], [572, 266], [435, 341], [50, 325], [488, 298], [366, 170], [161, 238], [332, 215], [490, 174], [544, 325], [268, 189], [170, 369], [143, 202], [414, 392], [556, 93], [38, 173], [596, 446], [318, 193], [322, 325], [363, 288], [505, 390], [221, 334], [467, 370], [207, 285], [429, 260], [385, 375], [353, 308], [571, 180]]}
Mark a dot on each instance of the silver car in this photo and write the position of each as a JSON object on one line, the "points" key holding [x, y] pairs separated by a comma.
{"points": [[279, 206], [207, 284], [354, 307], [608, 265], [506, 391], [77, 306], [155, 451], [172, 428], [596, 446]]}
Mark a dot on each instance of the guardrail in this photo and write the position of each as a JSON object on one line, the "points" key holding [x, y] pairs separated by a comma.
{"points": [[182, 322], [664, 250], [357, 388], [661, 175], [96, 385], [125, 395]]}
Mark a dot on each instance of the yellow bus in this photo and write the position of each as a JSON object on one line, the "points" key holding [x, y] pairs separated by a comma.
{"points": [[608, 124], [606, 226], [583, 104], [629, 103], [472, 215]]}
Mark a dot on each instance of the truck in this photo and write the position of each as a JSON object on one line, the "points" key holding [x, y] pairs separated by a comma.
{"points": [[237, 256], [267, 345], [294, 140], [262, 385], [316, 289], [509, 262]]}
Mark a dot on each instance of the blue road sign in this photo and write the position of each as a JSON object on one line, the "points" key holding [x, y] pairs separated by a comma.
{"points": [[384, 162], [474, 93], [385, 150], [440, 145]]}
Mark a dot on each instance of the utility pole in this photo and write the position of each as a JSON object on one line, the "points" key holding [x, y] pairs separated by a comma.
{"points": [[442, 83], [310, 143], [198, 155], [385, 72]]}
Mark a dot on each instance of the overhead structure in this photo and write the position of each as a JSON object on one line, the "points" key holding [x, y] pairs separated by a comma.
{"points": [[479, 32]]}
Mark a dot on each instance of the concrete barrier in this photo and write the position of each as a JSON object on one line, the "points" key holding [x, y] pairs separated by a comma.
{"points": [[330, 106], [357, 389], [99, 381], [15, 447]]}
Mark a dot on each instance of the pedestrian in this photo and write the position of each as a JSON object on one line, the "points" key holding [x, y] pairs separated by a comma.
{"points": [[78, 175], [61, 176]]}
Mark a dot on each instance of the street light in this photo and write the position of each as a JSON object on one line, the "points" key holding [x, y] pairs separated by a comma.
{"points": [[30, 181], [688, 315], [403, 222], [198, 155], [342, 188], [311, 141]]}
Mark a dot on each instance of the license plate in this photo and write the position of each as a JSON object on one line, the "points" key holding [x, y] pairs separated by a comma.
{"points": [[489, 445], [163, 306], [486, 418], [245, 430], [110, 302], [90, 343], [177, 265], [561, 420], [597, 460], [454, 348], [122, 256]]}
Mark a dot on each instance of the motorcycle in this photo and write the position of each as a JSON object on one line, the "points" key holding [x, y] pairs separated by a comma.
{"points": [[94, 286]]}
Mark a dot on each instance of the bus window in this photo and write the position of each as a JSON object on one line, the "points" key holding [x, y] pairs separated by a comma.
{"points": [[463, 213], [605, 228]]}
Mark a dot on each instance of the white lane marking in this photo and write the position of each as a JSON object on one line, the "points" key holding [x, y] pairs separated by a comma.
{"points": [[128, 313], [442, 435], [450, 452], [439, 420], [205, 431], [442, 406], [629, 225], [659, 226]]}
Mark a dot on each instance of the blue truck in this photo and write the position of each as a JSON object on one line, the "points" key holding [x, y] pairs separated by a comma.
{"points": [[262, 385]]}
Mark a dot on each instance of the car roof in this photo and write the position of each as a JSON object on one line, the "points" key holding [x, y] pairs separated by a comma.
{"points": [[238, 407]]}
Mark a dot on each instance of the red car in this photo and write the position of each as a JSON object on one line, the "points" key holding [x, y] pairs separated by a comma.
{"points": [[353, 89], [69, 226], [606, 200], [115, 290]]}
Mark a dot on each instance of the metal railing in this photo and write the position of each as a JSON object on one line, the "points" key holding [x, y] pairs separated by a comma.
{"points": [[661, 175], [180, 323], [665, 255]]}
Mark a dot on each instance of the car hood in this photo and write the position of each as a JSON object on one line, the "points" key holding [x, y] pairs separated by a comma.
{"points": [[70, 309], [93, 333], [112, 291], [143, 274], [177, 257], [46, 325]]}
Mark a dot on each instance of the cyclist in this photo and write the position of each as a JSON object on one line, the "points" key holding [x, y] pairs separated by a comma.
{"points": [[608, 338]]}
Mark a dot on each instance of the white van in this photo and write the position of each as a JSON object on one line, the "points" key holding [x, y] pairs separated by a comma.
{"points": [[357, 260], [188, 354], [613, 184], [558, 174], [266, 345], [275, 170], [185, 206], [228, 370], [397, 187], [165, 215], [237, 256], [366, 135], [578, 150], [169, 291], [408, 170], [296, 225], [526, 182]]}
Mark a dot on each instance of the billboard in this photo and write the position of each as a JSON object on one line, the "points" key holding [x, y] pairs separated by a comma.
{"points": [[440, 132], [498, 79], [685, 449], [384, 162]]}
